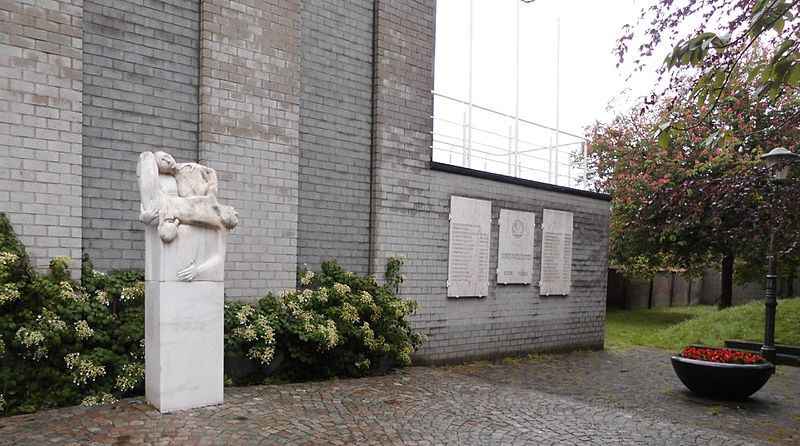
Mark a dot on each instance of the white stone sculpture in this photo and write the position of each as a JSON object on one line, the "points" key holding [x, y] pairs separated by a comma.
{"points": [[186, 232]]}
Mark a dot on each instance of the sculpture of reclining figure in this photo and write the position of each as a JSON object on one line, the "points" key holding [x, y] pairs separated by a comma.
{"points": [[192, 200], [176, 194]]}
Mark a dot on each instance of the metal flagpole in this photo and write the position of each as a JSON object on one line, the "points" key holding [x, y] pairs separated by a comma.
{"points": [[558, 89], [516, 104], [469, 105]]}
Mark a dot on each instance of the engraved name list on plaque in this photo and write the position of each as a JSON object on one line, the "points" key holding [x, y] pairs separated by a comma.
{"points": [[468, 259], [556, 271]]}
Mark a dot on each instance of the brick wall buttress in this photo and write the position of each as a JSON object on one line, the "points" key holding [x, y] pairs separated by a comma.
{"points": [[335, 131], [41, 80], [140, 94], [249, 133]]}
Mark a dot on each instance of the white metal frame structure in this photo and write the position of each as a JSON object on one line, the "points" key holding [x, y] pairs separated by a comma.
{"points": [[505, 144], [476, 137]]}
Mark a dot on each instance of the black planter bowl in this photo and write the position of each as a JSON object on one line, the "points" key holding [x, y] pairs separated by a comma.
{"points": [[721, 380]]}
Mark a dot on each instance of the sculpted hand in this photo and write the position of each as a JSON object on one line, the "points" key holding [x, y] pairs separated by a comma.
{"points": [[189, 273], [148, 215]]}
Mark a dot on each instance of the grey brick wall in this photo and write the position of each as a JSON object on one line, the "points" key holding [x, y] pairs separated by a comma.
{"points": [[140, 93], [249, 132], [411, 205], [41, 79], [335, 124], [279, 97]]}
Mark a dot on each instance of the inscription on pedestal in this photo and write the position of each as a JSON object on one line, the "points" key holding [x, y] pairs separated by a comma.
{"points": [[515, 250], [468, 261], [556, 269]]}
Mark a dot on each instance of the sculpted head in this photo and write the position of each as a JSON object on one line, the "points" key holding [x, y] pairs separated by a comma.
{"points": [[229, 217], [164, 161]]}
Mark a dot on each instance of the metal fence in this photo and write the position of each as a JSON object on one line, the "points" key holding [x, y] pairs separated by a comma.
{"points": [[479, 138]]}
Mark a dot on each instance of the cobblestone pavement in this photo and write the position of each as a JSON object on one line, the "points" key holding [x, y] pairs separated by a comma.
{"points": [[572, 399]]}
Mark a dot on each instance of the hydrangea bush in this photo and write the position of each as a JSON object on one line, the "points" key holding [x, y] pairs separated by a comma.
{"points": [[65, 342], [337, 324]]}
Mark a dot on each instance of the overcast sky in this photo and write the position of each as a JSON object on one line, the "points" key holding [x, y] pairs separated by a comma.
{"points": [[588, 76]]}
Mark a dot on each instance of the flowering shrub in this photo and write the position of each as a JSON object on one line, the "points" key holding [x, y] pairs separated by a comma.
{"points": [[65, 342], [722, 355], [338, 324]]}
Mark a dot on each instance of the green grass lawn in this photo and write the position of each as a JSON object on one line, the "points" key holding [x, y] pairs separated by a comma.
{"points": [[676, 327]]}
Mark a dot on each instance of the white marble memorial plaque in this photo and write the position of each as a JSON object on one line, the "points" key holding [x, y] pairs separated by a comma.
{"points": [[468, 261], [556, 253], [515, 250]]}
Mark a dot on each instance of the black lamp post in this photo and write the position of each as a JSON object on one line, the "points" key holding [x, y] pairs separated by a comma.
{"points": [[778, 160]]}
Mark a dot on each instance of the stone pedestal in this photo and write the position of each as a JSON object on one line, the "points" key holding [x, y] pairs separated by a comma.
{"points": [[186, 230], [183, 344]]}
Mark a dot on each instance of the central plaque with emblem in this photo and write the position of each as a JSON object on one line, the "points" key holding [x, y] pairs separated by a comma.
{"points": [[515, 250]]}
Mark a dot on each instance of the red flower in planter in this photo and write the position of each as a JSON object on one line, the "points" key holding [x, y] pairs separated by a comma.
{"points": [[722, 355]]}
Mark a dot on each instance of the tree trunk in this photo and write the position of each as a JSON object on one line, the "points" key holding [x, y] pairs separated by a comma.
{"points": [[726, 291]]}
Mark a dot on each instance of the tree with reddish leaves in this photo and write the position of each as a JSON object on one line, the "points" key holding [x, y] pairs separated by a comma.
{"points": [[699, 196]]}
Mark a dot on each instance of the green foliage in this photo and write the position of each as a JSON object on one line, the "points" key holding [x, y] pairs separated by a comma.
{"points": [[719, 54], [63, 342], [338, 324], [674, 328]]}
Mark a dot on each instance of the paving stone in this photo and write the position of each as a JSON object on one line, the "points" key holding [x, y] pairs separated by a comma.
{"points": [[586, 398]]}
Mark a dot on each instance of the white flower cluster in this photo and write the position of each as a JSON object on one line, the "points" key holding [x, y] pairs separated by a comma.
{"points": [[32, 340], [262, 353], [49, 320], [258, 331], [8, 258], [341, 288], [349, 313], [83, 370], [322, 295], [306, 277], [403, 307], [102, 297], [83, 330], [9, 292], [375, 345], [132, 292], [131, 374], [2, 402], [404, 357], [66, 292], [329, 335], [245, 312], [102, 398], [97, 273], [246, 333], [367, 300], [304, 296], [2, 348]]}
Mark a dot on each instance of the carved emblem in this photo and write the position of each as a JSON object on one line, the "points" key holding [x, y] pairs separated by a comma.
{"points": [[518, 229]]}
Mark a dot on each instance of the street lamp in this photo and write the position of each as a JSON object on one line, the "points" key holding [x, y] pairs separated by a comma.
{"points": [[778, 160]]}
